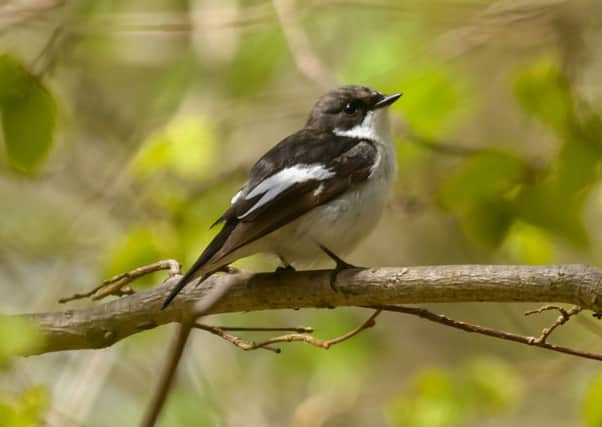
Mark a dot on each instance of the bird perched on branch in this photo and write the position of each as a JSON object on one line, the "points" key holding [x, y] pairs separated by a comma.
{"points": [[318, 191]]}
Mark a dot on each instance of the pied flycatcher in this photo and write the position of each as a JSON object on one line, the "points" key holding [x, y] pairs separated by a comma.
{"points": [[320, 190]]}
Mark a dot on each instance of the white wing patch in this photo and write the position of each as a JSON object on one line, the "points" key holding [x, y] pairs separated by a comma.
{"points": [[237, 196], [319, 190], [274, 185]]}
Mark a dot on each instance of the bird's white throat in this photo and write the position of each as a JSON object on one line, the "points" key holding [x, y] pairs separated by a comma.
{"points": [[374, 127]]}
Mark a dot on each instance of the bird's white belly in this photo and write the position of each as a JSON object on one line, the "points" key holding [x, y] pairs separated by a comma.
{"points": [[338, 225]]}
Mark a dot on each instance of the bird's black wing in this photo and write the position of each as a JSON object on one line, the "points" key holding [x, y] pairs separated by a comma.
{"points": [[303, 171]]}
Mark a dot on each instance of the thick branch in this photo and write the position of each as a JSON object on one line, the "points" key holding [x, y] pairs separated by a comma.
{"points": [[102, 325]]}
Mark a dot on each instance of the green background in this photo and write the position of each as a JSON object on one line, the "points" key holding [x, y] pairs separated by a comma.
{"points": [[128, 125]]}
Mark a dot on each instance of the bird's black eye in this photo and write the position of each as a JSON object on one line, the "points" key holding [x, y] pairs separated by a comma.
{"points": [[351, 107]]}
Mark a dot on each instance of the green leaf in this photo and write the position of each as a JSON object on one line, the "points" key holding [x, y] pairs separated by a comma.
{"points": [[17, 336], [592, 409], [556, 202], [187, 147], [487, 224], [442, 398], [397, 51], [528, 244], [28, 116], [486, 176], [545, 206], [13, 78], [186, 408], [430, 402], [258, 58], [481, 192], [433, 101], [25, 410], [139, 246], [491, 385], [542, 90]]}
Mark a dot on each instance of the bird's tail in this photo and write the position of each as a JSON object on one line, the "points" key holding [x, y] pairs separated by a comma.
{"points": [[205, 266], [190, 274]]}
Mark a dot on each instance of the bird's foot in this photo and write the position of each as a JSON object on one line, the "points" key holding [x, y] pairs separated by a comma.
{"points": [[340, 266], [285, 268]]}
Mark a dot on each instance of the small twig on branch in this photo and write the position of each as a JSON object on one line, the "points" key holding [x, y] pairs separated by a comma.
{"points": [[441, 147], [167, 375], [118, 285], [233, 339], [220, 331], [561, 320], [297, 337], [299, 329], [47, 56], [20, 13], [470, 327], [308, 63]]}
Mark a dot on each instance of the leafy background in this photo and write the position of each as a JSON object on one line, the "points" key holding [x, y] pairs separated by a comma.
{"points": [[128, 125]]}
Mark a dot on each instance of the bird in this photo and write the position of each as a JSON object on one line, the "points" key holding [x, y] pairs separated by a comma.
{"points": [[317, 192]]}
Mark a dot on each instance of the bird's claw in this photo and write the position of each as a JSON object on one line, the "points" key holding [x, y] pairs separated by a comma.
{"points": [[341, 265], [285, 268]]}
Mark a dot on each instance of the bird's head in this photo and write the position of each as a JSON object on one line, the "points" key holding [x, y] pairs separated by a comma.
{"points": [[351, 111]]}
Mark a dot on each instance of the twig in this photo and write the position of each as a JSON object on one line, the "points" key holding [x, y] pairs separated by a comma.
{"points": [[439, 146], [20, 13], [469, 327], [299, 329], [267, 344], [45, 59], [118, 285], [561, 320], [220, 331], [307, 61], [232, 339], [167, 375]]}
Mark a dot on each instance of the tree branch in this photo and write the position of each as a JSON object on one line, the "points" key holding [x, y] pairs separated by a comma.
{"points": [[103, 325], [495, 333], [296, 337], [168, 373]]}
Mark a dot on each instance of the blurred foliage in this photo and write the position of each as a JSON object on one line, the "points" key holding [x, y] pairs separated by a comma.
{"points": [[257, 60], [592, 410], [24, 410], [139, 246], [480, 193], [17, 335], [434, 102], [185, 147], [28, 116], [186, 410], [531, 244], [484, 387], [543, 91], [165, 104], [491, 191]]}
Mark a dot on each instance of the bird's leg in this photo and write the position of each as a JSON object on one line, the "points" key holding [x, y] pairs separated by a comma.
{"points": [[286, 266], [341, 265]]}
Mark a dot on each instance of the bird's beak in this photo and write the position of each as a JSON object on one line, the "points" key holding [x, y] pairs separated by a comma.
{"points": [[386, 101]]}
